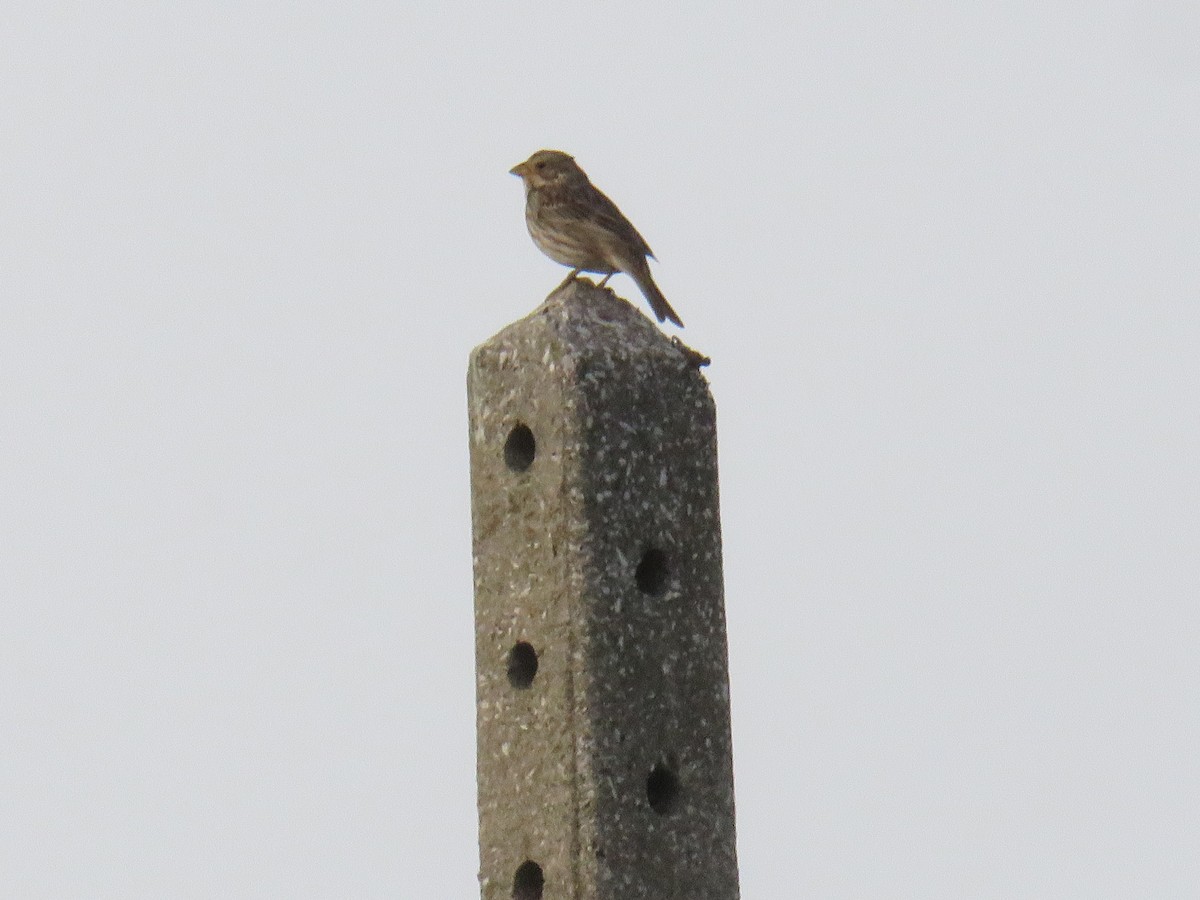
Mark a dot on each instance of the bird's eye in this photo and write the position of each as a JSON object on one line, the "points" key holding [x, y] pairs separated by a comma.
{"points": [[540, 166]]}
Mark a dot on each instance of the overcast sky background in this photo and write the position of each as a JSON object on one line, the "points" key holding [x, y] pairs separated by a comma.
{"points": [[945, 261]]}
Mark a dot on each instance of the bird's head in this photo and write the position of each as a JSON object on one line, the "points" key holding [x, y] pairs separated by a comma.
{"points": [[548, 167]]}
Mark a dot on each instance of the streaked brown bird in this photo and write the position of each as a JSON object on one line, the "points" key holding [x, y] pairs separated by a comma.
{"points": [[575, 225]]}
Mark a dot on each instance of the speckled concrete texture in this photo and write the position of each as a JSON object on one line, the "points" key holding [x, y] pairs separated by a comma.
{"points": [[597, 543]]}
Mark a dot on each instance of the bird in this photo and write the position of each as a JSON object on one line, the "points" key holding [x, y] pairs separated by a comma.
{"points": [[576, 225]]}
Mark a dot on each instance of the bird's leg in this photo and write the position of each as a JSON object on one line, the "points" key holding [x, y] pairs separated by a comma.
{"points": [[604, 280], [568, 279]]}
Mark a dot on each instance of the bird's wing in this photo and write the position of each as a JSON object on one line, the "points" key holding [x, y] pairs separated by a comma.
{"points": [[608, 216]]}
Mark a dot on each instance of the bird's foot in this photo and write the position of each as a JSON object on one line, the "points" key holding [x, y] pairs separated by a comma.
{"points": [[574, 274]]}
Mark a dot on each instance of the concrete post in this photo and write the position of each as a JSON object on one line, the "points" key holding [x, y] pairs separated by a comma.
{"points": [[604, 755]]}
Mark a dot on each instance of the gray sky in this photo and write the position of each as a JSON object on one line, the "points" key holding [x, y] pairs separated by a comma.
{"points": [[945, 261]]}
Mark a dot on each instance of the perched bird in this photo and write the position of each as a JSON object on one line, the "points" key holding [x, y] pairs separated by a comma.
{"points": [[574, 224]]}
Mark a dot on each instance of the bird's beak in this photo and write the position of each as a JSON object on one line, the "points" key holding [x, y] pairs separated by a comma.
{"points": [[519, 170]]}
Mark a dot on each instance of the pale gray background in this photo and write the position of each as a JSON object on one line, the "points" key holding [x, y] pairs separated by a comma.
{"points": [[945, 262]]}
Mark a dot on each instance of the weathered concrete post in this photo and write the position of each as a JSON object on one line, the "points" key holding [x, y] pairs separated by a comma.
{"points": [[604, 757]]}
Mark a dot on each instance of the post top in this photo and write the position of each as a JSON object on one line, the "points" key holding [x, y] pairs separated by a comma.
{"points": [[581, 321]]}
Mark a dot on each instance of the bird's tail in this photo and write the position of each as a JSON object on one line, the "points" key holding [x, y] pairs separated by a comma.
{"points": [[658, 303]]}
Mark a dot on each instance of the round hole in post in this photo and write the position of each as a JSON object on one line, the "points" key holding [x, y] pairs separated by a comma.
{"points": [[522, 665], [662, 789], [520, 448], [652, 572], [529, 882]]}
